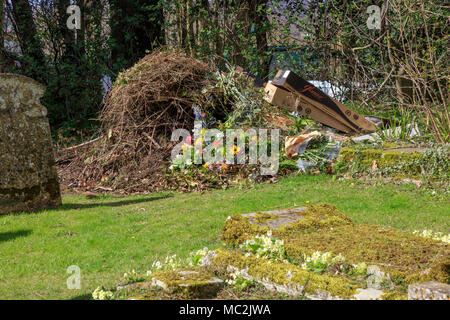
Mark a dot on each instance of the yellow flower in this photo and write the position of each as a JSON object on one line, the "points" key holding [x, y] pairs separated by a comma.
{"points": [[224, 166], [184, 147], [199, 141], [307, 201], [206, 165], [235, 150]]}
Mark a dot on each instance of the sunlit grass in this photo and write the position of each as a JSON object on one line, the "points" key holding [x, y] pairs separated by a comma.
{"points": [[110, 235]]}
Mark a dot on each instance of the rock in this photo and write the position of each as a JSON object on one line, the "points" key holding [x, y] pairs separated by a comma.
{"points": [[191, 283], [368, 294], [429, 291], [28, 178], [285, 217], [280, 277]]}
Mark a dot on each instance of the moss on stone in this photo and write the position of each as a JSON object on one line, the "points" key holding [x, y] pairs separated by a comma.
{"points": [[238, 228], [384, 159], [400, 163], [315, 217], [28, 176], [277, 273], [191, 283], [394, 295], [262, 217], [404, 256], [407, 258], [389, 145]]}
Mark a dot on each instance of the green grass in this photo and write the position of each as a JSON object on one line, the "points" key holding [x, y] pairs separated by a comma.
{"points": [[110, 235]]}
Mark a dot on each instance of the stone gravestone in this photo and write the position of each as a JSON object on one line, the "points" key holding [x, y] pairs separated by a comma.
{"points": [[28, 178]]}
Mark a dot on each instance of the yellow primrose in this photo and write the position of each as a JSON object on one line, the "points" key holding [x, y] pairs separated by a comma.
{"points": [[235, 150]]}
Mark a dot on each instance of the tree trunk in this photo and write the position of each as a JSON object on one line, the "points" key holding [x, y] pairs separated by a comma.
{"points": [[258, 14], [66, 34], [205, 13], [34, 59], [219, 46], [2, 55], [190, 26]]}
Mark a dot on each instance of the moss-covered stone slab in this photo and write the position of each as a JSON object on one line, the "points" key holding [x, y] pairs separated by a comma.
{"points": [[385, 158], [275, 219], [399, 256], [283, 277], [191, 283], [429, 291], [28, 178], [239, 228]]}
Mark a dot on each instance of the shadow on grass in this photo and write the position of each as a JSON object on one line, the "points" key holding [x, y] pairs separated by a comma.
{"points": [[71, 206], [7, 236], [87, 296]]}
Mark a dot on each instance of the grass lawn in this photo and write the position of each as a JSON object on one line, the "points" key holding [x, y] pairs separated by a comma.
{"points": [[110, 235]]}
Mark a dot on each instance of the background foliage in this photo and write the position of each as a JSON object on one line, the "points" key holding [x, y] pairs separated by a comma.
{"points": [[399, 69]]}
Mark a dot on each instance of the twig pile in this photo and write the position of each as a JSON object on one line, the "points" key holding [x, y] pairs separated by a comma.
{"points": [[146, 104]]}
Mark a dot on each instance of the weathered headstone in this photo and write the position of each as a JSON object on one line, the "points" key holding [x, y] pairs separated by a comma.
{"points": [[28, 178]]}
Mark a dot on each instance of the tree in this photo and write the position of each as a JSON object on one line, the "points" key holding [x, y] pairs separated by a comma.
{"points": [[2, 20], [33, 63], [136, 28], [258, 16]]}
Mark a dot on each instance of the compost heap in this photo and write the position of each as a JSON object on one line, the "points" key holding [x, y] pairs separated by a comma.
{"points": [[146, 104]]}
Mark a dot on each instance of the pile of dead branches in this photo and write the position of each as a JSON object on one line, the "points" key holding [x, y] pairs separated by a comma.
{"points": [[146, 104]]}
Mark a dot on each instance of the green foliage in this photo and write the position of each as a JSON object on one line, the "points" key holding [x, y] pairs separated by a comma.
{"points": [[74, 89], [108, 235]]}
